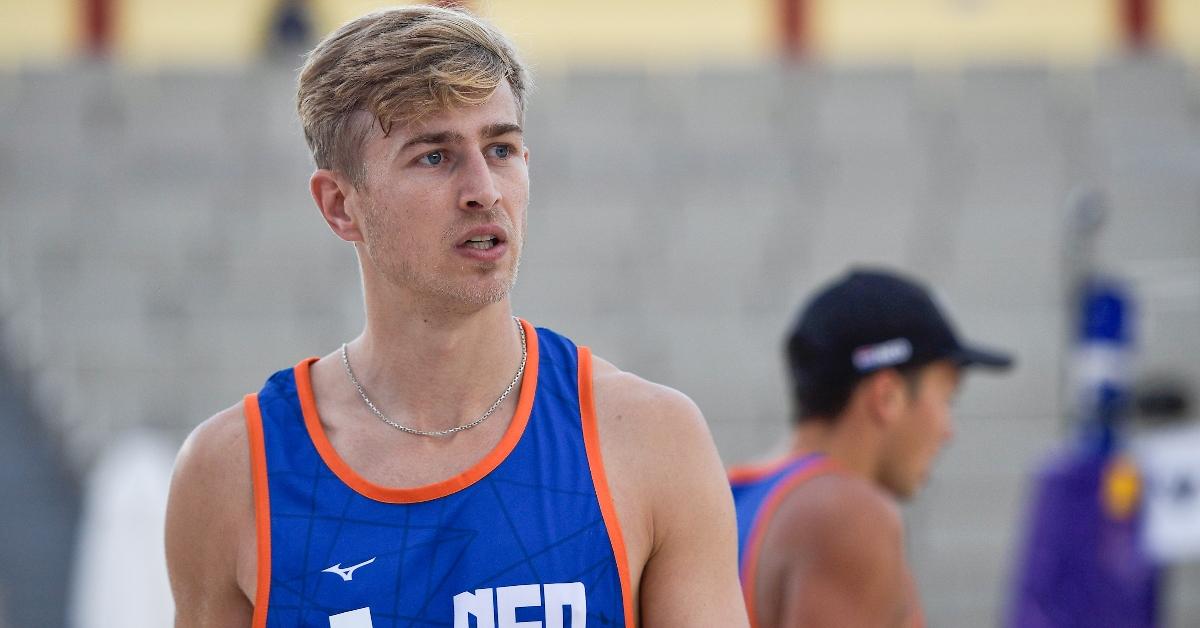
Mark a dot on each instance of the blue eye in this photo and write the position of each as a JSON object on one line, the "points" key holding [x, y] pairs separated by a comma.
{"points": [[502, 151], [433, 158]]}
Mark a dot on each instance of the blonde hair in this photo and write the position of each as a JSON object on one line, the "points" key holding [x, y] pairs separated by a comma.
{"points": [[398, 65]]}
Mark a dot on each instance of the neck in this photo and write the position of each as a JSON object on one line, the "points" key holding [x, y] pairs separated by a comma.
{"points": [[845, 440], [437, 372]]}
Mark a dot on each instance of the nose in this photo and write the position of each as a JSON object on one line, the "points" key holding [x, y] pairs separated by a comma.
{"points": [[477, 185]]}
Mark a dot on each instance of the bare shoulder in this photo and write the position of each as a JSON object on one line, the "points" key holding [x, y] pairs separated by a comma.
{"points": [[630, 404], [672, 499], [843, 519], [653, 433], [215, 455], [840, 505], [210, 520], [835, 552], [654, 442]]}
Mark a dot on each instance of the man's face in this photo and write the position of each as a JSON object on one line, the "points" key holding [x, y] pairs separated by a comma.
{"points": [[924, 426], [442, 208]]}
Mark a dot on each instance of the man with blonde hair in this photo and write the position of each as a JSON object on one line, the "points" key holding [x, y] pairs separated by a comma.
{"points": [[452, 465]]}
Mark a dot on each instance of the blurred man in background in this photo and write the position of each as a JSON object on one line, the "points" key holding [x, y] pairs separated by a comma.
{"points": [[875, 366], [398, 478]]}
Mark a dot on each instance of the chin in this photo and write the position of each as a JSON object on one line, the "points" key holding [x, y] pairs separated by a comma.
{"points": [[918, 485], [476, 294], [904, 489]]}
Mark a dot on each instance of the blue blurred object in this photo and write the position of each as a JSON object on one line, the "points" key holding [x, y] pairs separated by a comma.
{"points": [[1101, 369], [1105, 305]]}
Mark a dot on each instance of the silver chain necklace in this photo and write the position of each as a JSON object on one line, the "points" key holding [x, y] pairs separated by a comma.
{"points": [[467, 426]]}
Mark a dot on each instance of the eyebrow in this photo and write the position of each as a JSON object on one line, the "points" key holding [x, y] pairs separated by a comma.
{"points": [[451, 137], [500, 128], [437, 137]]}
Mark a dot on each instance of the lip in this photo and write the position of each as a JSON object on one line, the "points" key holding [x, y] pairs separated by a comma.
{"points": [[483, 255]]}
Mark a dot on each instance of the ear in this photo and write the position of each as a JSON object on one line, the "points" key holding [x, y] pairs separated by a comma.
{"points": [[336, 197], [887, 396]]}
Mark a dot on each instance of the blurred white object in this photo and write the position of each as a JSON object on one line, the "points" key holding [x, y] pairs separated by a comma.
{"points": [[120, 575], [1170, 462]]}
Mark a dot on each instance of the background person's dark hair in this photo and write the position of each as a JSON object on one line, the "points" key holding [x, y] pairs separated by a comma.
{"points": [[814, 399]]}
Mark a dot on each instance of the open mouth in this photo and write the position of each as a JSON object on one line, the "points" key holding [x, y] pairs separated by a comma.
{"points": [[483, 242]]}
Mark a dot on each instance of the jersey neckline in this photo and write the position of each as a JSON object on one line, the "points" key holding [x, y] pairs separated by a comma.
{"points": [[753, 472], [407, 495]]}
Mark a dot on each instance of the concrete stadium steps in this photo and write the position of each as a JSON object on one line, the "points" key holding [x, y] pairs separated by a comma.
{"points": [[161, 255], [868, 107]]}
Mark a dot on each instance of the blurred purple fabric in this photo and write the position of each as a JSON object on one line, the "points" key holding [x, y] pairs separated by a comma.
{"points": [[1080, 566]]}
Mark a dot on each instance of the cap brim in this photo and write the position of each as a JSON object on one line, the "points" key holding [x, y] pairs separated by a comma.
{"points": [[985, 358]]}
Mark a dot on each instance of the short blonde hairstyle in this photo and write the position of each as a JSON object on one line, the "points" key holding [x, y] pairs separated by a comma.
{"points": [[398, 65]]}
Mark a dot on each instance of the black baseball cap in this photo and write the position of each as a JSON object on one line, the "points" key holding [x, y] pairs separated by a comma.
{"points": [[871, 319]]}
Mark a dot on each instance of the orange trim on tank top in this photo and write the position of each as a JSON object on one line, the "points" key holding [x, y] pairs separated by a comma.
{"points": [[262, 510], [759, 529], [753, 472], [608, 510], [508, 442]]}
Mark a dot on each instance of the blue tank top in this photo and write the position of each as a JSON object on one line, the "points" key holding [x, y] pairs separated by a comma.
{"points": [[526, 538], [756, 494]]}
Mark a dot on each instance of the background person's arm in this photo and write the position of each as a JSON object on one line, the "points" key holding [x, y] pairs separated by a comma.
{"points": [[208, 510]]}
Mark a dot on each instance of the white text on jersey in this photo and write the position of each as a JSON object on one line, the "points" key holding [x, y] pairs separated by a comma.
{"points": [[497, 608]]}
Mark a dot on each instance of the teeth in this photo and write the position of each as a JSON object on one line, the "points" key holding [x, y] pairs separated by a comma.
{"points": [[481, 242]]}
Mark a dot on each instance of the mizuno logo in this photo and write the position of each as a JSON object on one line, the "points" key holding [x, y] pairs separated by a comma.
{"points": [[346, 573]]}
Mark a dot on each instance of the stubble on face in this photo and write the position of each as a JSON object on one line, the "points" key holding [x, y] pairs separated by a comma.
{"points": [[390, 247]]}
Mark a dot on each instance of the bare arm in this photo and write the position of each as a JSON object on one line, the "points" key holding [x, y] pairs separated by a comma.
{"points": [[209, 507], [673, 501], [835, 552]]}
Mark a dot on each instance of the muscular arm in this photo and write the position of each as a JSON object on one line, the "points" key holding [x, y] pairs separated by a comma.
{"points": [[208, 510], [673, 501], [835, 554]]}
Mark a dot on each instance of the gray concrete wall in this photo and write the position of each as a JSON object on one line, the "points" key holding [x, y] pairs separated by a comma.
{"points": [[160, 255]]}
